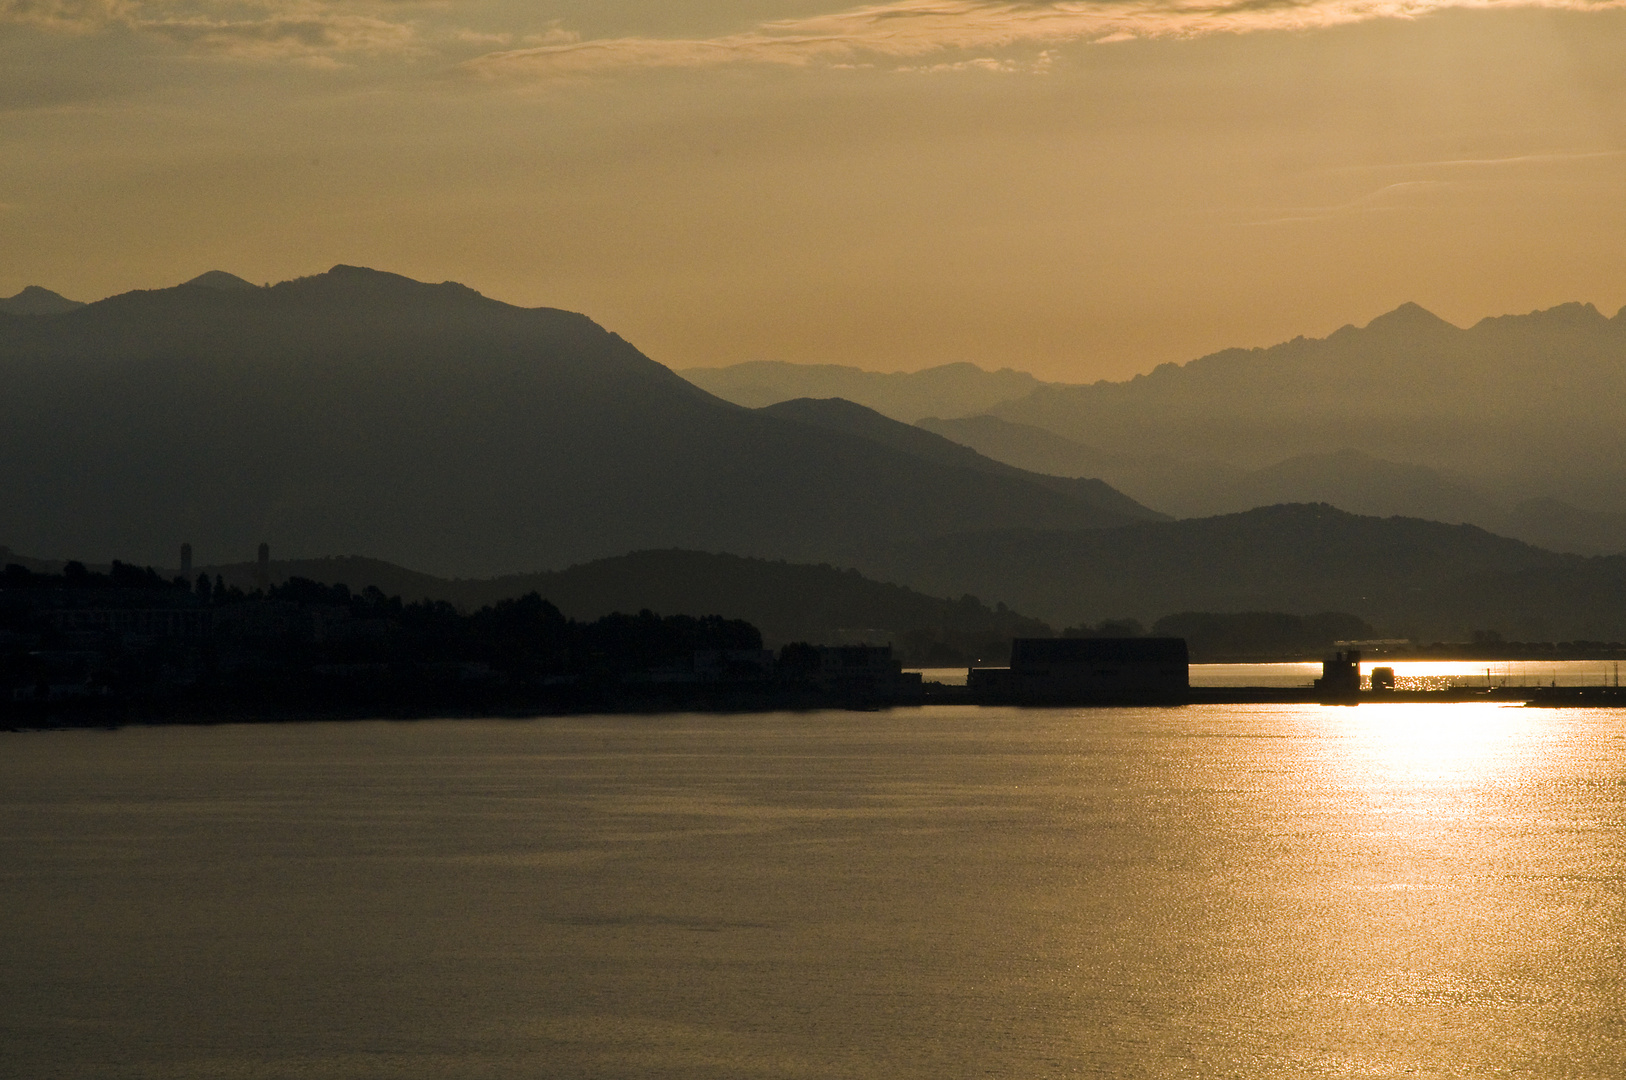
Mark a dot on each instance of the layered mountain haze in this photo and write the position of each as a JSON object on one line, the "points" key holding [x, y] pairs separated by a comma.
{"points": [[835, 414], [1030, 447], [1177, 486], [1347, 479], [1359, 483], [360, 411], [1516, 407], [429, 426], [946, 390], [1405, 576], [1511, 425], [1553, 524]]}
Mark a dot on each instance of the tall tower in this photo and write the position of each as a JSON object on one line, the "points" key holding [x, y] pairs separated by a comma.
{"points": [[262, 572], [186, 560]]}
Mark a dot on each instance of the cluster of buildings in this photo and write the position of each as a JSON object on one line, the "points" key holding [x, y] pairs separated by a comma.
{"points": [[1042, 671], [87, 627]]}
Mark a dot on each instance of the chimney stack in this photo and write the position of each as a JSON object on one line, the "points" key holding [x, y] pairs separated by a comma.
{"points": [[186, 560], [262, 573]]}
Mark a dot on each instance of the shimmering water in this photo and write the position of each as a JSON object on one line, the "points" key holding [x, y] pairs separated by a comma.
{"points": [[1400, 890], [1409, 674], [1421, 674]]}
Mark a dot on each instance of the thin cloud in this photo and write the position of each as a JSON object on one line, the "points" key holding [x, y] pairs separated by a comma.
{"points": [[1387, 199], [908, 35], [253, 29], [64, 16], [1500, 162], [910, 30]]}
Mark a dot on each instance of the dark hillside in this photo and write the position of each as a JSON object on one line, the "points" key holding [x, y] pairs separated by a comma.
{"points": [[946, 390], [834, 414], [1405, 576], [787, 601], [426, 424]]}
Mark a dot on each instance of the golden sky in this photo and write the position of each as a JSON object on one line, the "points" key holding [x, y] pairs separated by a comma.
{"points": [[1083, 190]]}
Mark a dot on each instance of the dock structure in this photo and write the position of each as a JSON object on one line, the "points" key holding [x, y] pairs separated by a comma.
{"points": [[1154, 671], [1340, 680]]}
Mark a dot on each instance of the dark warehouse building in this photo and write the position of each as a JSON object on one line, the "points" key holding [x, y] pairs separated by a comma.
{"points": [[1059, 671]]}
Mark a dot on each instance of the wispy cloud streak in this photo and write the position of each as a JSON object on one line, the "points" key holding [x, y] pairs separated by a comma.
{"points": [[285, 29], [923, 35], [909, 30], [1563, 158]]}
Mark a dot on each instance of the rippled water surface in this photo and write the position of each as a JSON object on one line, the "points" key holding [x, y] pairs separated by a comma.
{"points": [[1400, 890], [1419, 674]]}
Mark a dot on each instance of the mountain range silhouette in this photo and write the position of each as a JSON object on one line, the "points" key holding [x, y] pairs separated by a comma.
{"points": [[361, 411], [1511, 424], [1514, 407]]}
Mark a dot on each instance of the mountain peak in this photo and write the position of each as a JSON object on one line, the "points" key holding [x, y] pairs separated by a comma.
{"points": [[219, 279], [345, 270], [1409, 316], [34, 300], [1571, 316], [1573, 313], [344, 280]]}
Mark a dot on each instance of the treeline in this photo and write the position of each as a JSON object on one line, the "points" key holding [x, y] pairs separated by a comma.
{"points": [[130, 639], [787, 601], [75, 575], [523, 638]]}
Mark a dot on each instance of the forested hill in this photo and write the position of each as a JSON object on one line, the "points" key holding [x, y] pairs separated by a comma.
{"points": [[1405, 576], [786, 601]]}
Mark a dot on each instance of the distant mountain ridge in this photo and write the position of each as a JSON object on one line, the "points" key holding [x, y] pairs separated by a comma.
{"points": [[786, 601], [1405, 577], [358, 410], [945, 390], [836, 414], [1025, 445], [219, 279], [1517, 406], [1348, 479], [34, 300], [1512, 424], [431, 426], [1408, 577]]}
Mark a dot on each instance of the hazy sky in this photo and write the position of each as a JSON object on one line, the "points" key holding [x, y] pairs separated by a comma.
{"points": [[1080, 189]]}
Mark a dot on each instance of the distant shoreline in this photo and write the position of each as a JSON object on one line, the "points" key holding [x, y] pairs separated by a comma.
{"points": [[1475, 654], [80, 715]]}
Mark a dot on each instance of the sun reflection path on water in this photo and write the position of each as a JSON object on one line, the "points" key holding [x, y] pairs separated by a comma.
{"points": [[1435, 745], [1416, 674]]}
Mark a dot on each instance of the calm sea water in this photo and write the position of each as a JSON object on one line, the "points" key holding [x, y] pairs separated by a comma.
{"points": [[1381, 891]]}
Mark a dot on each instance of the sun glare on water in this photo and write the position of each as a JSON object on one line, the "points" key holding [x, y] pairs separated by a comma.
{"points": [[1437, 746]]}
